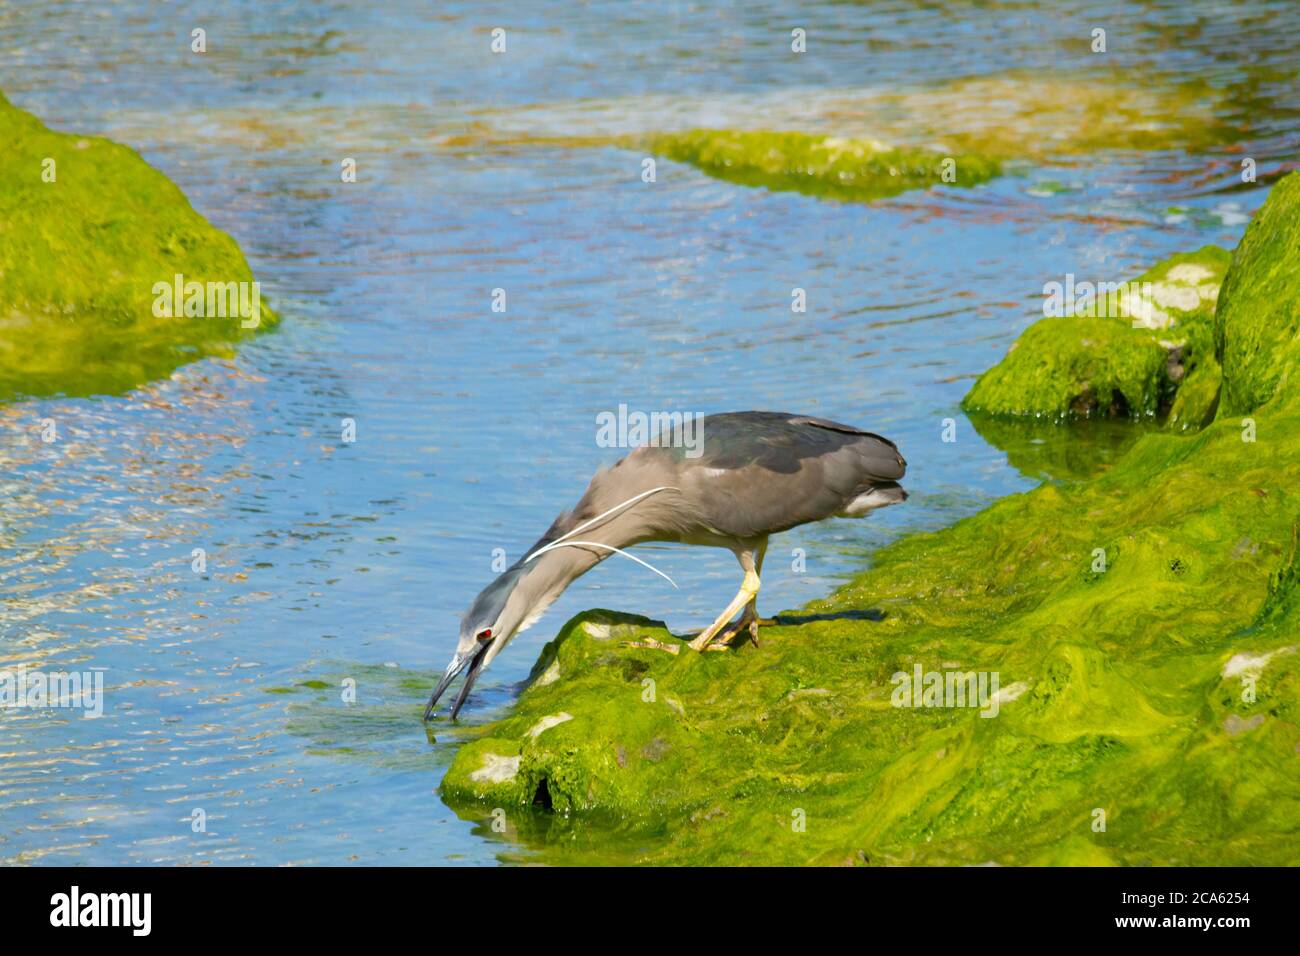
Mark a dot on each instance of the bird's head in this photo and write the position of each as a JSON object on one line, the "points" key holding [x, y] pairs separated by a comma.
{"points": [[492, 620], [519, 596]]}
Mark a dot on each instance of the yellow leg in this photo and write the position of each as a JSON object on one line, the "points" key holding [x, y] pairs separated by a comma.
{"points": [[748, 592], [749, 621]]}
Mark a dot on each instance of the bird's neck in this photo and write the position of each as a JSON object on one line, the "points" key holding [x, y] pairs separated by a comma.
{"points": [[543, 579], [552, 570], [568, 560]]}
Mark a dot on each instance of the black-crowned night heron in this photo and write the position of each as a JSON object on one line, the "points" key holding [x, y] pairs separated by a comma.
{"points": [[755, 474]]}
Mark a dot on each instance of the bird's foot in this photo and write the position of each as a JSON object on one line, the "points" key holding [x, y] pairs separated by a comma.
{"points": [[743, 601], [704, 639], [725, 637], [736, 632]]}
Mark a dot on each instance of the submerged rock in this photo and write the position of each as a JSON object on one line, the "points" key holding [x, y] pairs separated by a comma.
{"points": [[1028, 114], [1137, 349], [89, 235], [826, 166], [854, 144], [1115, 611], [1014, 116]]}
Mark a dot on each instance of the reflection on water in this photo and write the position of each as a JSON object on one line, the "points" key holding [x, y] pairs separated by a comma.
{"points": [[335, 566], [1047, 451]]}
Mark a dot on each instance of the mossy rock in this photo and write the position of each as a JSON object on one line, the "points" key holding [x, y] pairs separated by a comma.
{"points": [[1076, 367], [1143, 627], [1257, 331], [568, 761], [79, 260], [826, 166], [1197, 400], [1126, 352]]}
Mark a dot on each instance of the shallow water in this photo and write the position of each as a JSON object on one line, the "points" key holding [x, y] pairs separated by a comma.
{"points": [[329, 561]]}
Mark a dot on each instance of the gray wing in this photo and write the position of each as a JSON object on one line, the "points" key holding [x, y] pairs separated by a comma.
{"points": [[764, 472]]}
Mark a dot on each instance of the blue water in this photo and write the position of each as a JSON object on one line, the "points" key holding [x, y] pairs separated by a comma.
{"points": [[330, 560]]}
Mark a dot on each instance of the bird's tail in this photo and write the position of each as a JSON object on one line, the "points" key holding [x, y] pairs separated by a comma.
{"points": [[880, 495]]}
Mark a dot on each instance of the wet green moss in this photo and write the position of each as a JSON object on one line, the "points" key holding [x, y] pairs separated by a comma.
{"points": [[603, 757], [1258, 356], [1125, 352], [1142, 623], [79, 259], [1197, 400], [1076, 367], [825, 166]]}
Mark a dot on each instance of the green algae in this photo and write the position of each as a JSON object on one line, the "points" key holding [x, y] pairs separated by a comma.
{"points": [[824, 166], [1142, 623], [79, 259], [1197, 399], [1135, 349], [1265, 280], [1076, 367], [359, 712]]}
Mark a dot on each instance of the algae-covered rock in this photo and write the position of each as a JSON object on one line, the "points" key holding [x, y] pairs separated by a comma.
{"points": [[1197, 400], [572, 757], [828, 166], [1076, 367], [88, 231], [1123, 349], [1012, 116], [1258, 329], [1136, 636], [856, 144]]}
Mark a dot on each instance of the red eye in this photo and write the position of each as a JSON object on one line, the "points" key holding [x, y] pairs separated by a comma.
{"points": [[485, 634]]}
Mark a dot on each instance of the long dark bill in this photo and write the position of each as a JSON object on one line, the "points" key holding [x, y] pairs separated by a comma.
{"points": [[475, 665]]}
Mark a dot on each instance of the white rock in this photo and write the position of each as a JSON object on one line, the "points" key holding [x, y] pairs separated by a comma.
{"points": [[550, 675], [1251, 664], [1188, 273], [546, 723], [1184, 298], [496, 769], [1010, 692]]}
